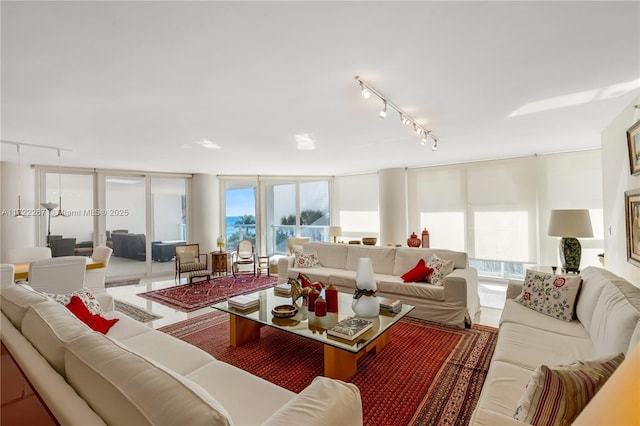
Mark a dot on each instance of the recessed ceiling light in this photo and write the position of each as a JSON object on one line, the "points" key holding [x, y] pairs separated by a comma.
{"points": [[206, 143], [304, 142]]}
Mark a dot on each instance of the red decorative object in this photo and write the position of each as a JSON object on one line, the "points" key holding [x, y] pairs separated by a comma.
{"points": [[321, 307], [312, 299], [306, 282], [413, 240], [331, 293], [425, 238]]}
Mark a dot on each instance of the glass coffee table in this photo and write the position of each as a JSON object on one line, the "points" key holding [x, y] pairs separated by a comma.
{"points": [[340, 356]]}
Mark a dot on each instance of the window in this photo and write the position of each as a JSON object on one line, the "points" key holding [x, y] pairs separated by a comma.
{"points": [[357, 206], [240, 215]]}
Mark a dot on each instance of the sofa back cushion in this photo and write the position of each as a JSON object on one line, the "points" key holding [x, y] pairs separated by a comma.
{"points": [[407, 258], [330, 255], [593, 281], [49, 326], [382, 258], [124, 387], [615, 317], [16, 299]]}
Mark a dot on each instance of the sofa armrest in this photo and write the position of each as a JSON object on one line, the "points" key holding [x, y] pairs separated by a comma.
{"points": [[106, 301], [514, 288], [461, 286], [284, 263], [324, 402]]}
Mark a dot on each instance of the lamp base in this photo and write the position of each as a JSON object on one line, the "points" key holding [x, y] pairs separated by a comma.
{"points": [[570, 254]]}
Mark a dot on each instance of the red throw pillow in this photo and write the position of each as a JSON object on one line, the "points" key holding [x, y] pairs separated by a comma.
{"points": [[306, 282], [95, 322], [419, 272]]}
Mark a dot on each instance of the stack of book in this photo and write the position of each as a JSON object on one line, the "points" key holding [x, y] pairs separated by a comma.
{"points": [[283, 290], [350, 328], [243, 302], [392, 306]]}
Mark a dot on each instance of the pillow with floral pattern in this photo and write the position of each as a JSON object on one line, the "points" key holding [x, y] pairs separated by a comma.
{"points": [[550, 294], [85, 295], [441, 268], [304, 260]]}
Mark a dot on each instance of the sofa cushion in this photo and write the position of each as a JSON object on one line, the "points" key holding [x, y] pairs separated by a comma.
{"points": [[406, 258], [16, 300], [418, 273], [516, 313], [49, 326], [85, 295], [550, 294], [306, 260], [248, 399], [556, 395], [382, 258], [502, 388], [94, 321], [593, 281], [330, 255], [390, 284], [529, 347], [441, 268], [124, 387], [615, 317]]}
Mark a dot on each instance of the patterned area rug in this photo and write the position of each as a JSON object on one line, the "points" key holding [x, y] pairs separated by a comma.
{"points": [[135, 312], [429, 374], [190, 297]]}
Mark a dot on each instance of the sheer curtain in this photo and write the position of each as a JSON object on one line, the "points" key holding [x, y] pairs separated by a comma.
{"points": [[356, 205]]}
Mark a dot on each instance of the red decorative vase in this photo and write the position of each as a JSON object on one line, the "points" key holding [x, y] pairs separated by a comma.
{"points": [[321, 307], [313, 295], [414, 241], [425, 238], [331, 293]]}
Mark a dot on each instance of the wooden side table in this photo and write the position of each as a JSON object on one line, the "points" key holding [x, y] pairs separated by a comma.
{"points": [[219, 263]]}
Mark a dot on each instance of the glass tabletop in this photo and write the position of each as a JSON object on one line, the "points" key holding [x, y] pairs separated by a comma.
{"points": [[308, 325]]}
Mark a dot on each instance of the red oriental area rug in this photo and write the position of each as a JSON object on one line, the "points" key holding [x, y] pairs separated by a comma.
{"points": [[190, 297], [429, 374]]}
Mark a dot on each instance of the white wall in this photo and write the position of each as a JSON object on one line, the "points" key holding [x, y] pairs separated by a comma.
{"points": [[205, 211], [15, 232], [616, 180]]}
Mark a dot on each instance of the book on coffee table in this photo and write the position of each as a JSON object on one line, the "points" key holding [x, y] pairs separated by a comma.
{"points": [[390, 305], [350, 328], [243, 302], [283, 289]]}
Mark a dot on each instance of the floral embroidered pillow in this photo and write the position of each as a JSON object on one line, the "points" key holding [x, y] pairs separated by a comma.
{"points": [[550, 294], [441, 268], [87, 298], [303, 260]]}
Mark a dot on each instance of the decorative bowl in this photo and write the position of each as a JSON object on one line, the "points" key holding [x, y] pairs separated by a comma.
{"points": [[369, 241], [284, 311]]}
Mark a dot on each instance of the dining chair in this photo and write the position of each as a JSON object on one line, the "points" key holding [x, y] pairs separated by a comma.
{"points": [[95, 278], [27, 254], [63, 247], [6, 274], [58, 275], [243, 256], [188, 261]]}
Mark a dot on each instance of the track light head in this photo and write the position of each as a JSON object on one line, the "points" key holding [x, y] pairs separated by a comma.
{"points": [[435, 143], [364, 91], [405, 120], [383, 113]]}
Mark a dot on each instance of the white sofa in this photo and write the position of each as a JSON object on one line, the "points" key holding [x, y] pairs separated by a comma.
{"points": [[456, 302], [608, 323], [135, 375]]}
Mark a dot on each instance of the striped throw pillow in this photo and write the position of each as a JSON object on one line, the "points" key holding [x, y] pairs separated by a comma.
{"points": [[555, 396]]}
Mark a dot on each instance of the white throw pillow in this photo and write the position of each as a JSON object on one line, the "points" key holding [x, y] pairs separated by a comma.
{"points": [[550, 294], [85, 295], [441, 268], [309, 260]]}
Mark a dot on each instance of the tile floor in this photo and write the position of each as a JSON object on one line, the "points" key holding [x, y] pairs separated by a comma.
{"points": [[492, 297]]}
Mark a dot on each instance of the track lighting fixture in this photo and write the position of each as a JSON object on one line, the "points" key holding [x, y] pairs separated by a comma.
{"points": [[383, 113], [366, 90]]}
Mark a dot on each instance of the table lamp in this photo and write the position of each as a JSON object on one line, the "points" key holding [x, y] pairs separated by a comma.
{"points": [[220, 242], [569, 225], [335, 232]]}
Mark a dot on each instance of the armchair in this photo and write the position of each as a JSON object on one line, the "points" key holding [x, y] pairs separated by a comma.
{"points": [[188, 262]]}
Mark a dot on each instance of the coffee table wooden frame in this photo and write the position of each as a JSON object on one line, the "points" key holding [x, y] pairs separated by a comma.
{"points": [[339, 363]]}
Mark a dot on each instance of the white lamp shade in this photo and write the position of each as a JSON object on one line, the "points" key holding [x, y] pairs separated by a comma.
{"points": [[570, 223], [335, 231]]}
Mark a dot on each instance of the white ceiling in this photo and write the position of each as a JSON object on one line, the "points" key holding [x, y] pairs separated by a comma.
{"points": [[135, 85]]}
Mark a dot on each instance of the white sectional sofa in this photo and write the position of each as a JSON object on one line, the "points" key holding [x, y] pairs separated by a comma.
{"points": [[135, 375], [608, 323], [456, 302]]}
